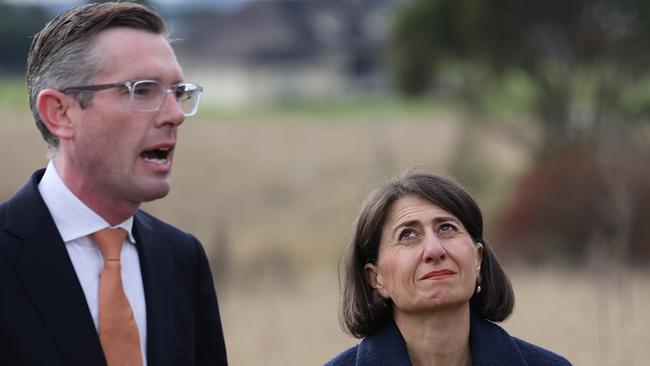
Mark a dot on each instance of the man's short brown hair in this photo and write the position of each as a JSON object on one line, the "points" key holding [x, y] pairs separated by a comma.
{"points": [[62, 54]]}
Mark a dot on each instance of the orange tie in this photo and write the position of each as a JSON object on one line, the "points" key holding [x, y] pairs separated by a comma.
{"points": [[118, 331]]}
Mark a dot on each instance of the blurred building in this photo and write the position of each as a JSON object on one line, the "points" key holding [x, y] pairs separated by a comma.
{"points": [[243, 51], [286, 50]]}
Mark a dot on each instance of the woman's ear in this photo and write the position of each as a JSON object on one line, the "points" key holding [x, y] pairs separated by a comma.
{"points": [[54, 108], [375, 279], [478, 256]]}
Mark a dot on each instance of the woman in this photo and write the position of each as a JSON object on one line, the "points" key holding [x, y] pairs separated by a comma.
{"points": [[421, 285]]}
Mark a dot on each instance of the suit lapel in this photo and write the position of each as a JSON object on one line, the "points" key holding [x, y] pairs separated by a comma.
{"points": [[43, 264], [156, 263]]}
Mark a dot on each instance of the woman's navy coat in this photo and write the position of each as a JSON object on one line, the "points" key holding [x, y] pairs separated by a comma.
{"points": [[489, 343]]}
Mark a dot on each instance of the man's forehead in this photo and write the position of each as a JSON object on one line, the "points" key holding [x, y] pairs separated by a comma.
{"points": [[135, 53], [125, 36]]}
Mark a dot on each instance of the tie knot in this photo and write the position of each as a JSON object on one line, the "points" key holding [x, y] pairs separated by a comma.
{"points": [[109, 241]]}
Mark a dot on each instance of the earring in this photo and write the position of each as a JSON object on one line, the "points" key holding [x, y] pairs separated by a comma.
{"points": [[478, 289]]}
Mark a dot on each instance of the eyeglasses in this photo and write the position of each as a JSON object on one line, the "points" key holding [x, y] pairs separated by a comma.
{"points": [[148, 95]]}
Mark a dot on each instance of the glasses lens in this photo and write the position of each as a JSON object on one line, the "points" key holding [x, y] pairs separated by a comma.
{"points": [[147, 95], [188, 96]]}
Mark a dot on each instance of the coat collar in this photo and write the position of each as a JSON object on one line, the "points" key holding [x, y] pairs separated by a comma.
{"points": [[489, 343], [385, 347]]}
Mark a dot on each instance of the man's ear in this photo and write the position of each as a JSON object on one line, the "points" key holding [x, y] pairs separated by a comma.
{"points": [[375, 279], [54, 108]]}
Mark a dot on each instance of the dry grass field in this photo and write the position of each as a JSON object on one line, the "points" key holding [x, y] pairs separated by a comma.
{"points": [[587, 321], [273, 197]]}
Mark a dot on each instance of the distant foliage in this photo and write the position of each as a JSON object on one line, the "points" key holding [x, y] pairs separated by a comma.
{"points": [[413, 46], [576, 207], [17, 26], [588, 59], [587, 67]]}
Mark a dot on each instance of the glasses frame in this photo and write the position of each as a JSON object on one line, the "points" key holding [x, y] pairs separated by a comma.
{"points": [[131, 84]]}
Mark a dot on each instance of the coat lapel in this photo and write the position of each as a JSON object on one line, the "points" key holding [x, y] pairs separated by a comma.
{"points": [[156, 263], [42, 262], [491, 345], [386, 347]]}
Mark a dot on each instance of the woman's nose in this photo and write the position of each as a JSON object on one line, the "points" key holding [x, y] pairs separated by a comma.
{"points": [[433, 250]]}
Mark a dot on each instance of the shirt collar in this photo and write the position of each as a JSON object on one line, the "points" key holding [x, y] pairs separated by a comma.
{"points": [[73, 219]]}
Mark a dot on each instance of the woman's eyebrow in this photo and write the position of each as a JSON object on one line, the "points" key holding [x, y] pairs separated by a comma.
{"points": [[409, 223], [436, 220], [440, 219]]}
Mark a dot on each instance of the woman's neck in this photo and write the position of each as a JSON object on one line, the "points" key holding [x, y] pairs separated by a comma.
{"points": [[440, 338]]}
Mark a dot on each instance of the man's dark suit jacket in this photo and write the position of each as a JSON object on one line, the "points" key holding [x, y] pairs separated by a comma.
{"points": [[44, 317], [490, 345]]}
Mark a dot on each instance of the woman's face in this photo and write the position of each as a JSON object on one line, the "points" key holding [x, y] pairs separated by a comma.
{"points": [[427, 260]]}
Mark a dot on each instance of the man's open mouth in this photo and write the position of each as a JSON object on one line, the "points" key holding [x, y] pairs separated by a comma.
{"points": [[156, 156]]}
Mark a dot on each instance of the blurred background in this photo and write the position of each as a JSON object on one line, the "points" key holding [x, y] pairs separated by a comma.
{"points": [[540, 108]]}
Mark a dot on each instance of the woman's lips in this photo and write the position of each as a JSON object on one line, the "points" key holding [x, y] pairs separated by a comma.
{"points": [[438, 274]]}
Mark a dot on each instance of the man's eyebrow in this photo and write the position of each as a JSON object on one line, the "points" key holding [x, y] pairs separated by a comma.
{"points": [[145, 77]]}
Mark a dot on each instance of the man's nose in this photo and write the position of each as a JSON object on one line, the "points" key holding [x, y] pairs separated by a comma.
{"points": [[170, 111]]}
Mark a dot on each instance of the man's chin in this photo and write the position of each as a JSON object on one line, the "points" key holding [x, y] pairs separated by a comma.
{"points": [[153, 193], [155, 197]]}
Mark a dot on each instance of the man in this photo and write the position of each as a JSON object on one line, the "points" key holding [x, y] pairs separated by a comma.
{"points": [[108, 96]]}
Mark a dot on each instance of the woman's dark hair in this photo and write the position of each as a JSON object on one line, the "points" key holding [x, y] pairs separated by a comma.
{"points": [[362, 308]]}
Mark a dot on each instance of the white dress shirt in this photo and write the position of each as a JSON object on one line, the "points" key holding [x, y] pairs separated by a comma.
{"points": [[75, 222]]}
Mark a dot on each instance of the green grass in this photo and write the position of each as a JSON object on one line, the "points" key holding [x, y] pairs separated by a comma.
{"points": [[361, 108], [13, 94], [13, 97]]}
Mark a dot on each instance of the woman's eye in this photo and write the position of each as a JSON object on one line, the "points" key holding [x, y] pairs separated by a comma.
{"points": [[407, 234], [447, 228]]}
